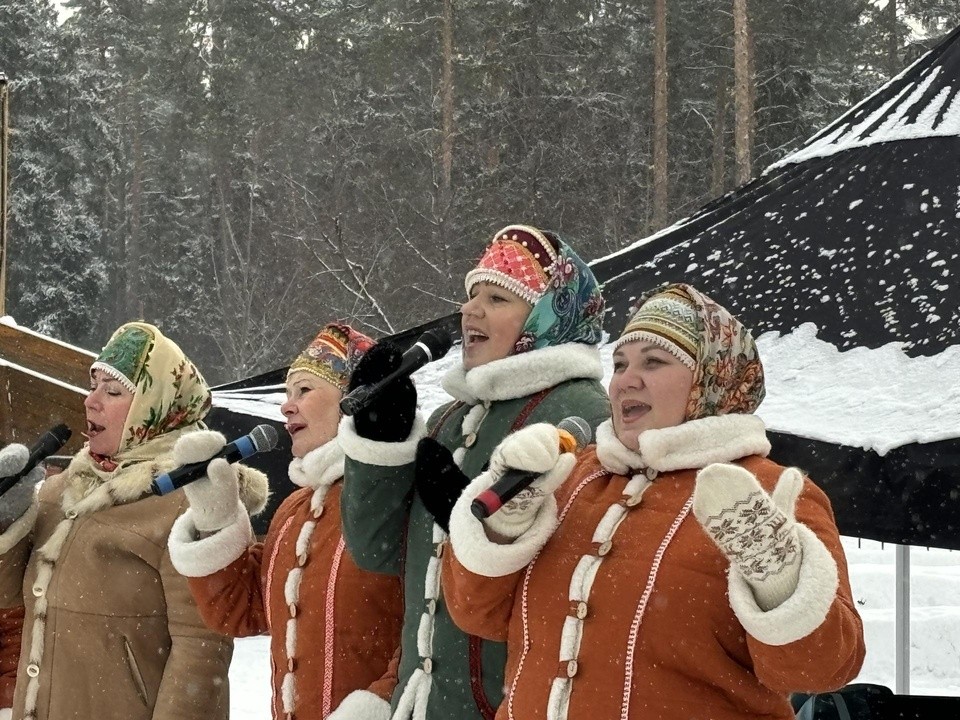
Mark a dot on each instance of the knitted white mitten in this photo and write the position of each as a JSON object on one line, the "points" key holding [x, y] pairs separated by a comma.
{"points": [[756, 531], [17, 500], [533, 449], [213, 498]]}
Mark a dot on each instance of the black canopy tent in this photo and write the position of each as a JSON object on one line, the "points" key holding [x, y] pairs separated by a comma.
{"points": [[859, 232]]}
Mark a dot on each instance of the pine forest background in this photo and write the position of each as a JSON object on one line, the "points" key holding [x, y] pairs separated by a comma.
{"points": [[241, 171]]}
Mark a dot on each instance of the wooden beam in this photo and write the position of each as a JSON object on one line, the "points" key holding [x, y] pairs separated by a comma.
{"points": [[34, 403], [46, 356]]}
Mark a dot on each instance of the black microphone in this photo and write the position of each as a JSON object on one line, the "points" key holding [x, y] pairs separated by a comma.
{"points": [[51, 441], [575, 433], [430, 346], [260, 439]]}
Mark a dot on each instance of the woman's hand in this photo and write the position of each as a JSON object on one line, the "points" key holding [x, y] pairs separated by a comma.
{"points": [[534, 449], [214, 497], [17, 500], [438, 480], [389, 416], [755, 530]]}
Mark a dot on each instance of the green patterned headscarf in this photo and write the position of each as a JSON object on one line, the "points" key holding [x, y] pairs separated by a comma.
{"points": [[570, 309], [168, 390], [728, 374]]}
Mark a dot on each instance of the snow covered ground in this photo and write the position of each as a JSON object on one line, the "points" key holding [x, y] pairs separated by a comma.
{"points": [[934, 628]]}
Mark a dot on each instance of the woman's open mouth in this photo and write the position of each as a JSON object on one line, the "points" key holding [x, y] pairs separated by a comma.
{"points": [[294, 428], [631, 410], [473, 337], [93, 429]]}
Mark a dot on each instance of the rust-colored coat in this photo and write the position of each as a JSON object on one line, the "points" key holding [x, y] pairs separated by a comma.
{"points": [[659, 637], [347, 620]]}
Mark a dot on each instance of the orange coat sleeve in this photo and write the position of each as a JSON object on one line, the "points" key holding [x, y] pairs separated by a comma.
{"points": [[384, 687], [231, 600], [478, 605], [830, 651]]}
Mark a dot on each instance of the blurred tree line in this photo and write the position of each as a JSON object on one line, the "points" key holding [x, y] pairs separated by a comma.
{"points": [[242, 171]]}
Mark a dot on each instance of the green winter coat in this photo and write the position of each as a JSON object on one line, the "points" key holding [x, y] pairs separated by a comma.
{"points": [[388, 530]]}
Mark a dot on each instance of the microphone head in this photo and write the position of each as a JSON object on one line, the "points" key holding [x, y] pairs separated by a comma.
{"points": [[264, 437], [62, 433], [578, 428], [438, 341]]}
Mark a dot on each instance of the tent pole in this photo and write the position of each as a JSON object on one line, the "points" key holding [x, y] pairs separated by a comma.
{"points": [[902, 620]]}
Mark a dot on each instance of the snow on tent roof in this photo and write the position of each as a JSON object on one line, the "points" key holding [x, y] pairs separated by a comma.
{"points": [[856, 232]]}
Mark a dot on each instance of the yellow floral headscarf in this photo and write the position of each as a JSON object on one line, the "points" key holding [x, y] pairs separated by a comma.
{"points": [[168, 391]]}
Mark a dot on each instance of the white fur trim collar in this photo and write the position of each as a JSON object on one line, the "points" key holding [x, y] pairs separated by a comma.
{"points": [[524, 374], [321, 467], [690, 446]]}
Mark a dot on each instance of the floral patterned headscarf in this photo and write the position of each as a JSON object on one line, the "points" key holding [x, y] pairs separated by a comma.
{"points": [[728, 375], [571, 308], [168, 391]]}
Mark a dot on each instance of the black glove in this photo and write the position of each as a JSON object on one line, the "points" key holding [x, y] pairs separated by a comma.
{"points": [[438, 480], [389, 416]]}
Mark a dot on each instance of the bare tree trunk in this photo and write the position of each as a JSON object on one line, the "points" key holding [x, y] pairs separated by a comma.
{"points": [[893, 38], [743, 91], [447, 127], [133, 297], [718, 169], [4, 110], [661, 187]]}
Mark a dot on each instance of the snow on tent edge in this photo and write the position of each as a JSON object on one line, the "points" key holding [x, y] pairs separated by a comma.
{"points": [[876, 399]]}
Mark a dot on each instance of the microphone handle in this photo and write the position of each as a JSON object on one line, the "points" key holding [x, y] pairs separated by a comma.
{"points": [[513, 481], [186, 474], [46, 446], [358, 398], [501, 492]]}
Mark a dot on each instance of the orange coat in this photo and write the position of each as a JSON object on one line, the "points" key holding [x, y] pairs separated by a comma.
{"points": [[658, 636], [344, 623]]}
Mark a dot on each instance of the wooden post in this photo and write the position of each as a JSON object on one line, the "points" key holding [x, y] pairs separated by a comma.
{"points": [[4, 111]]}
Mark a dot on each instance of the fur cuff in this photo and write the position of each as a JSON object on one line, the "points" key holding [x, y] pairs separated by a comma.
{"points": [[19, 529], [801, 613], [361, 705], [199, 558], [254, 488], [374, 452], [480, 555]]}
